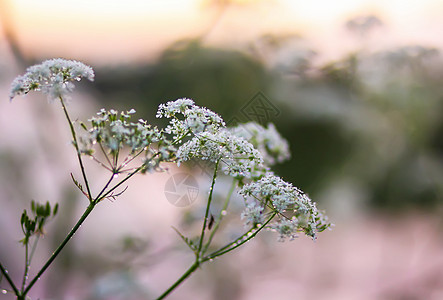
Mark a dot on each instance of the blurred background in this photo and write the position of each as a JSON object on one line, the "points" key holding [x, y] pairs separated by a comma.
{"points": [[355, 86]]}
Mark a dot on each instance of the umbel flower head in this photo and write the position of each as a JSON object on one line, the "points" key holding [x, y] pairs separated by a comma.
{"points": [[112, 131], [193, 120], [271, 145], [209, 138], [294, 209], [53, 77]]}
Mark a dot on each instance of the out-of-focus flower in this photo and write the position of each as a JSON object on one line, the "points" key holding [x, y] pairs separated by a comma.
{"points": [[272, 146]]}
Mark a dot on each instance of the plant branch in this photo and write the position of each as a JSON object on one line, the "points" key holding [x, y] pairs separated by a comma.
{"points": [[74, 137], [185, 275], [34, 246], [105, 187], [117, 185], [220, 216], [208, 205], [61, 246], [25, 274], [11, 283], [105, 154], [239, 241]]}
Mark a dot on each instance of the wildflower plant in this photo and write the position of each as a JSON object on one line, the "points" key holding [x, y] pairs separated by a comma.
{"points": [[126, 147]]}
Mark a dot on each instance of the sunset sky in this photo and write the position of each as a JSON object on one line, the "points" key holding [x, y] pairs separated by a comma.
{"points": [[134, 29]]}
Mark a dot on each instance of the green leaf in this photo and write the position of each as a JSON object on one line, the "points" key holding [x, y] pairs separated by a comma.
{"points": [[77, 184], [188, 242], [24, 217], [47, 209], [55, 210], [30, 226], [40, 210]]}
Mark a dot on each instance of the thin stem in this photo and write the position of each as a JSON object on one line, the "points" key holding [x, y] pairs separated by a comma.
{"points": [[105, 154], [220, 215], [181, 137], [191, 270], [11, 283], [128, 160], [28, 259], [105, 187], [239, 241], [34, 246], [61, 246], [74, 137], [208, 205], [117, 185], [100, 163], [25, 275], [116, 155], [229, 247]]}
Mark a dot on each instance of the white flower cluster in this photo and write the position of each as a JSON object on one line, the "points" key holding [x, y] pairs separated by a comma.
{"points": [[253, 214], [236, 149], [112, 131], [238, 156], [296, 212], [210, 140], [272, 146], [195, 118], [53, 77]]}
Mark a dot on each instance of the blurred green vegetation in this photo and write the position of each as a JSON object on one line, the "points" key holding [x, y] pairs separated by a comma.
{"points": [[372, 119]]}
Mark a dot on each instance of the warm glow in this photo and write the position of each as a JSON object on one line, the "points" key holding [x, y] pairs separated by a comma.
{"points": [[137, 29]]}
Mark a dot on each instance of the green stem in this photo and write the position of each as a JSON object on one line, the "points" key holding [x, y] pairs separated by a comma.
{"points": [[105, 154], [60, 247], [191, 270], [117, 185], [11, 283], [25, 275], [239, 241], [105, 187], [34, 246], [220, 215], [208, 205], [74, 137], [229, 247]]}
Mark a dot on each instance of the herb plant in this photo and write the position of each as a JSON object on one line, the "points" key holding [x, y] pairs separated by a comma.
{"points": [[124, 148]]}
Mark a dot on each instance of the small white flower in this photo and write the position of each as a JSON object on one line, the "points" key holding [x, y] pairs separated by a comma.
{"points": [[253, 214], [189, 118], [238, 157], [282, 194], [286, 228], [174, 107]]}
